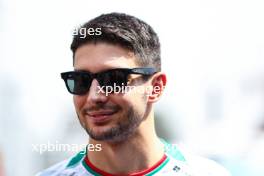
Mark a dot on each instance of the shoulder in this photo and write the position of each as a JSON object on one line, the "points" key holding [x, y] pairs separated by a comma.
{"points": [[205, 166], [66, 167], [198, 166], [54, 170]]}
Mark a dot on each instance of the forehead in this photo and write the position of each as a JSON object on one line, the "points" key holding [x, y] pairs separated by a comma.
{"points": [[102, 56]]}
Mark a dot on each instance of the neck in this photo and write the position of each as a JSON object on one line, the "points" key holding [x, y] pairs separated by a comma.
{"points": [[141, 151]]}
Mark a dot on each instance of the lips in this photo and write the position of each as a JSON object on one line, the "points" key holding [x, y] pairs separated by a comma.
{"points": [[100, 116]]}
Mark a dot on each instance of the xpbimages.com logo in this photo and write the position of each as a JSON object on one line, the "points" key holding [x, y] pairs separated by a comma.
{"points": [[83, 32], [116, 89], [60, 147]]}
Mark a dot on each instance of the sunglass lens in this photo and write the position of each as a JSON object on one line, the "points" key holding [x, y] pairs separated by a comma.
{"points": [[113, 77], [78, 83]]}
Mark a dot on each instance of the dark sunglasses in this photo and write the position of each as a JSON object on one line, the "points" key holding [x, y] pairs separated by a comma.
{"points": [[79, 82]]}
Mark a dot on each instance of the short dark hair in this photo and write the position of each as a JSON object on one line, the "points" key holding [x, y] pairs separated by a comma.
{"points": [[127, 31]]}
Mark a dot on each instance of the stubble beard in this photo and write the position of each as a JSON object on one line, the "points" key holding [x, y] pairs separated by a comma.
{"points": [[121, 131]]}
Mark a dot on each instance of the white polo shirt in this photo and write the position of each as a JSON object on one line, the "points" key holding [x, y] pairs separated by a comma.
{"points": [[173, 163]]}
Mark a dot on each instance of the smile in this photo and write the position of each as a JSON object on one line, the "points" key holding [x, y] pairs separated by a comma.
{"points": [[100, 116]]}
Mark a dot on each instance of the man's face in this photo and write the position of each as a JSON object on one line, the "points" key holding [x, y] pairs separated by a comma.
{"points": [[116, 116]]}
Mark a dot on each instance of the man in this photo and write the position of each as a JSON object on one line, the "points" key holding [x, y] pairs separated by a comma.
{"points": [[121, 51]]}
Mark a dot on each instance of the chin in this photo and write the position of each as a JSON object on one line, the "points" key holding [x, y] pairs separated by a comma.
{"points": [[108, 133]]}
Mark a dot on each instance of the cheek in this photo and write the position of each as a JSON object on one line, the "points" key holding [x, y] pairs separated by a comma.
{"points": [[137, 101], [79, 102]]}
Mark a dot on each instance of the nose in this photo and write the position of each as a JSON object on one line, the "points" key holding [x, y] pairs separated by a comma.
{"points": [[95, 96]]}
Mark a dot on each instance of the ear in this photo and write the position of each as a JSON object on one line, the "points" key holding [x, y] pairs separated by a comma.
{"points": [[158, 84]]}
